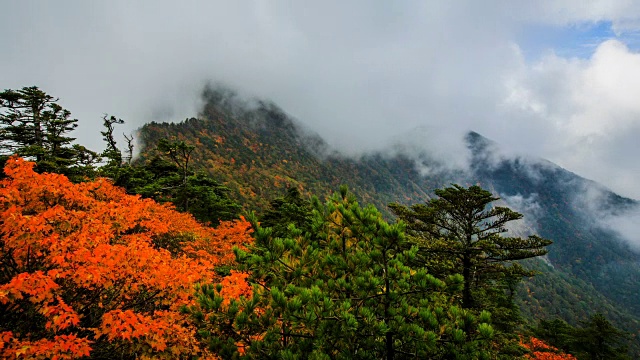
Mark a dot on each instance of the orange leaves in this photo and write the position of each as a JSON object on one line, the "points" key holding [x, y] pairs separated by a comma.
{"points": [[60, 347], [61, 316], [5, 340], [541, 351], [234, 286], [90, 257], [36, 286], [17, 168], [162, 331], [127, 325], [218, 139], [230, 234]]}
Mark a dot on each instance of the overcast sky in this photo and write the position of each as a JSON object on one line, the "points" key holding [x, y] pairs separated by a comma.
{"points": [[555, 79]]}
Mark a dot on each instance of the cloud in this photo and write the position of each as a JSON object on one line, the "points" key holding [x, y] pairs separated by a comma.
{"points": [[359, 73], [628, 226], [356, 72], [606, 210], [531, 210], [582, 112]]}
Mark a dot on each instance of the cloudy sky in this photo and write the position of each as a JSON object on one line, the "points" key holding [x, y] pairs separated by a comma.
{"points": [[555, 79]]}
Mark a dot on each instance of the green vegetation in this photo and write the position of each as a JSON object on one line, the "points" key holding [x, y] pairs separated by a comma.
{"points": [[37, 128], [434, 277], [593, 339], [344, 289], [460, 232], [167, 177]]}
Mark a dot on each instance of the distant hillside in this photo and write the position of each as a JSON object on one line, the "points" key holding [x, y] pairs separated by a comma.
{"points": [[569, 207], [258, 151]]}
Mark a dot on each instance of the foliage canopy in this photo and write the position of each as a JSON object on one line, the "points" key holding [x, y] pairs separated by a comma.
{"points": [[87, 269]]}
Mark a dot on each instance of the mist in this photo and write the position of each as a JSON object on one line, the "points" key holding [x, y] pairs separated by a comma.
{"points": [[606, 210], [363, 75], [531, 210]]}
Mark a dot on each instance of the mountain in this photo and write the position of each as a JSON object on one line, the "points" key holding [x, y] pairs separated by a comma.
{"points": [[571, 210], [258, 151]]}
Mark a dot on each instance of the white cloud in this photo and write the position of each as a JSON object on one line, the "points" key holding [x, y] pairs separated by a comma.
{"points": [[529, 207], [596, 204], [584, 113], [628, 226], [359, 72]]}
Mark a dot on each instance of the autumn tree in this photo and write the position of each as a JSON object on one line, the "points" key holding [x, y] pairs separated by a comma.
{"points": [[341, 290], [87, 270], [35, 126], [464, 230]]}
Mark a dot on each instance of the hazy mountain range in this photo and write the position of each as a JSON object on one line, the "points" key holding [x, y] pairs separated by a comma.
{"points": [[257, 150]]}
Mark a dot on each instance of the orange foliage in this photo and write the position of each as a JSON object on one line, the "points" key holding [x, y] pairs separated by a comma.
{"points": [[234, 286], [86, 267], [61, 347], [541, 351]]}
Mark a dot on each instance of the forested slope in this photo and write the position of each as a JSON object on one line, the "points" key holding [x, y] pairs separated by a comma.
{"points": [[258, 151], [102, 255]]}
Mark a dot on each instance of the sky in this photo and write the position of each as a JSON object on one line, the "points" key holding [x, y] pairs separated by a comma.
{"points": [[553, 79]]}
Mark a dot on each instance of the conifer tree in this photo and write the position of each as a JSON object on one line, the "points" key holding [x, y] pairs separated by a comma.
{"points": [[289, 209], [342, 290], [33, 125], [167, 177], [112, 153], [461, 228], [594, 339]]}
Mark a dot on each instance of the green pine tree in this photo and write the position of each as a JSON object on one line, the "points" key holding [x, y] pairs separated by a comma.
{"points": [[460, 231], [594, 339], [597, 339], [289, 209], [34, 126], [342, 290]]}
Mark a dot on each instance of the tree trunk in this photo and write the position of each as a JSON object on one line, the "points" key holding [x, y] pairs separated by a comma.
{"points": [[389, 344]]}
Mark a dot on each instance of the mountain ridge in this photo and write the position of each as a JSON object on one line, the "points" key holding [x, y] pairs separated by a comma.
{"points": [[258, 151]]}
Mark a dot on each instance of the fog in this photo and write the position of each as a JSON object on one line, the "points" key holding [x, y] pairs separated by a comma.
{"points": [[362, 74]]}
